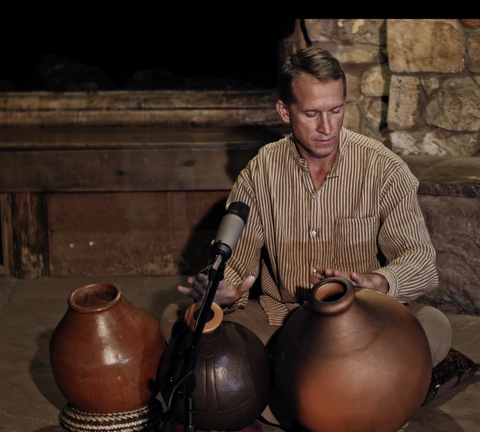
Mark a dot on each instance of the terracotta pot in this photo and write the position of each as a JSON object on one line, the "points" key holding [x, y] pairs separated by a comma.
{"points": [[352, 360], [232, 373], [105, 351]]}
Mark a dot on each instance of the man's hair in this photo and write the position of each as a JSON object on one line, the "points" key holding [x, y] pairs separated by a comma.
{"points": [[313, 61]]}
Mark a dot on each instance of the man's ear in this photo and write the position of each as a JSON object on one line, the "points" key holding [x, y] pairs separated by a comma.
{"points": [[283, 111]]}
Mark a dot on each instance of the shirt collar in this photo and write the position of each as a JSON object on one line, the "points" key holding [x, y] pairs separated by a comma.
{"points": [[302, 163]]}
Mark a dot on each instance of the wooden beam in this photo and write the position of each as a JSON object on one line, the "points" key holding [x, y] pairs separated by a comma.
{"points": [[137, 108], [126, 160], [29, 235], [5, 235]]}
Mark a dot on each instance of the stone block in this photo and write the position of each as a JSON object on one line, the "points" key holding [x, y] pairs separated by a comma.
{"points": [[453, 223], [454, 106], [403, 107], [425, 45]]}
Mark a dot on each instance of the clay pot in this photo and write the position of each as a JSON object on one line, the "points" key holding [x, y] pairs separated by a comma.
{"points": [[105, 351], [352, 360], [232, 373]]}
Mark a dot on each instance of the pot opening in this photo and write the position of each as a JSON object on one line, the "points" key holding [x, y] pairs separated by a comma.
{"points": [[94, 297], [330, 292], [213, 317]]}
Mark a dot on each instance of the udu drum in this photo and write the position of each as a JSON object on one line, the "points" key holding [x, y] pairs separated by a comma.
{"points": [[232, 373], [352, 360]]}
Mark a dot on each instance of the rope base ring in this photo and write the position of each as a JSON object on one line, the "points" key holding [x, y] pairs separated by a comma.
{"points": [[144, 419]]}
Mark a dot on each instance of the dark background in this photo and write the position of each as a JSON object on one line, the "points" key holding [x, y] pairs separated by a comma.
{"points": [[34, 51]]}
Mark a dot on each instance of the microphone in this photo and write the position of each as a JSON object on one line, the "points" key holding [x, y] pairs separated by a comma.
{"points": [[229, 231]]}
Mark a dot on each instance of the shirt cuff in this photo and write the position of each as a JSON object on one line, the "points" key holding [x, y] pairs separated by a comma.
{"points": [[391, 279]]}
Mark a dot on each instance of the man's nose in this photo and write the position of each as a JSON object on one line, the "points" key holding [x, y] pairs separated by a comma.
{"points": [[324, 124]]}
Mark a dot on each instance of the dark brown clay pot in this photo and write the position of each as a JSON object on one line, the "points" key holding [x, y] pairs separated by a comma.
{"points": [[232, 374], [352, 360], [105, 351]]}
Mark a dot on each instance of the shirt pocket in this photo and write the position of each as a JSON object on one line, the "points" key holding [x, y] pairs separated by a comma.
{"points": [[356, 244]]}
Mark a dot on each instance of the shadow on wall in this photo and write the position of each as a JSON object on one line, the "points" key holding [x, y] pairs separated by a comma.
{"points": [[196, 253]]}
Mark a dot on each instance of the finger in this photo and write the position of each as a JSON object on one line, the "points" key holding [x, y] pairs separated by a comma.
{"points": [[356, 280], [328, 272], [198, 290], [190, 292], [318, 271], [202, 278], [185, 290], [355, 277]]}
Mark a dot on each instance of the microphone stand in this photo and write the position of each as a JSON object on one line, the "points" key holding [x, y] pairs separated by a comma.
{"points": [[186, 382], [228, 234]]}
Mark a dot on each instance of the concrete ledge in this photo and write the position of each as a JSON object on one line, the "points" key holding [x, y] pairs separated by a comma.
{"points": [[449, 195], [446, 176]]}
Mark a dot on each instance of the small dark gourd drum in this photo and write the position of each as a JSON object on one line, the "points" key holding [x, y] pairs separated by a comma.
{"points": [[352, 360], [232, 373]]}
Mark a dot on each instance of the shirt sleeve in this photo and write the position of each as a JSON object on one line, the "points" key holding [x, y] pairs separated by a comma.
{"points": [[404, 239], [245, 258]]}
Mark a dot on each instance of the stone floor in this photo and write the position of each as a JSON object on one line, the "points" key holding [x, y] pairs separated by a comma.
{"points": [[31, 309]]}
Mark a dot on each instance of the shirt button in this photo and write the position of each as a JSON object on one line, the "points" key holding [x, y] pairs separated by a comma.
{"points": [[314, 196], [313, 232]]}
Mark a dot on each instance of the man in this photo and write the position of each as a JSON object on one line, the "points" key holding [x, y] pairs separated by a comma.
{"points": [[325, 201]]}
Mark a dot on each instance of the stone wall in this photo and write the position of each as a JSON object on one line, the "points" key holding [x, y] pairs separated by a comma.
{"points": [[412, 83]]}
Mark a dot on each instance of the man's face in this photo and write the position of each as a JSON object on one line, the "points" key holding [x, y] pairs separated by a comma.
{"points": [[316, 117]]}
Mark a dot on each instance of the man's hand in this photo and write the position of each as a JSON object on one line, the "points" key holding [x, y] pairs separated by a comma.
{"points": [[372, 281], [225, 295]]}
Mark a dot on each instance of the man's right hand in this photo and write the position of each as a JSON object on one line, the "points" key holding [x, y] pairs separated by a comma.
{"points": [[226, 294]]}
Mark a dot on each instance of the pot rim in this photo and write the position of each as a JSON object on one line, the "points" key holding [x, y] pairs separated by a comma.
{"points": [[332, 296], [94, 297]]}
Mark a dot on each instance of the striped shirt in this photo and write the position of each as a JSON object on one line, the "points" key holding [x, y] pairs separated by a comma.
{"points": [[364, 218]]}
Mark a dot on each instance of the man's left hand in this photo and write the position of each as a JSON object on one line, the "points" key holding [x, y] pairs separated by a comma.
{"points": [[373, 281]]}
